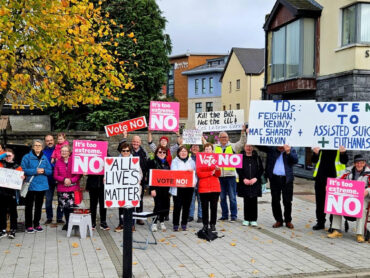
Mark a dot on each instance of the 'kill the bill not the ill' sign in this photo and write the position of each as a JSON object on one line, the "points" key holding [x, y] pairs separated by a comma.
{"points": [[88, 157], [122, 182], [171, 178], [219, 120], [220, 160], [164, 116], [10, 178], [129, 125], [344, 197]]}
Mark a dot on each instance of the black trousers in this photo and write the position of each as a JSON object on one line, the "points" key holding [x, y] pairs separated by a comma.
{"points": [[209, 202], [140, 209], [279, 187], [161, 203], [37, 198], [320, 193], [97, 197], [8, 204], [182, 203], [250, 208]]}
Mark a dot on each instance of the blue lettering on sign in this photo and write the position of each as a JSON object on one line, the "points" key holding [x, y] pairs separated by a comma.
{"points": [[361, 131], [272, 141], [352, 143], [327, 130], [255, 131], [284, 105]]}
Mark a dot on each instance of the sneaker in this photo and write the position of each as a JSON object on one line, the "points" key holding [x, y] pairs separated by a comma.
{"points": [[233, 219], [104, 227], [253, 223], [154, 227], [245, 223], [223, 219], [183, 227], [360, 238], [30, 230], [176, 228], [65, 227], [335, 234], [60, 221], [190, 219], [47, 222], [39, 229], [200, 220], [12, 234], [3, 234], [163, 227], [118, 229]]}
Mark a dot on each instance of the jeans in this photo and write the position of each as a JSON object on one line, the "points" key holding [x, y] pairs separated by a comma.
{"points": [[228, 187], [192, 206], [49, 203], [37, 198]]}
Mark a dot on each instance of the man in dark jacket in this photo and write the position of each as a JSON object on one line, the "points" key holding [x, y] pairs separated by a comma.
{"points": [[279, 170]]}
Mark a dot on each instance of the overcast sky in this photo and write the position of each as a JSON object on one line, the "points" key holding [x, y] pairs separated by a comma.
{"points": [[215, 26]]}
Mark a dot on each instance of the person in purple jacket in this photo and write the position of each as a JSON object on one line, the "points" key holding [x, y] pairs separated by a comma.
{"points": [[67, 183]]}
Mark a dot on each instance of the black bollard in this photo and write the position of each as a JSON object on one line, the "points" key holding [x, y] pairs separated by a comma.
{"points": [[127, 243]]}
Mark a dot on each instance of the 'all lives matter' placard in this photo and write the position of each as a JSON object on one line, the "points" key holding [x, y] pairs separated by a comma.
{"points": [[122, 182]]}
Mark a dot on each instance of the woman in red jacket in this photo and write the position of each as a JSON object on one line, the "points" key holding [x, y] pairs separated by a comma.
{"points": [[209, 190]]}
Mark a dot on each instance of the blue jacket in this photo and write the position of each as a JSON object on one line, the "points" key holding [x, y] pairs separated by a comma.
{"points": [[289, 160], [29, 165]]}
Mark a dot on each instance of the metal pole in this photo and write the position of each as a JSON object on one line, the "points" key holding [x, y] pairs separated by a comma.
{"points": [[127, 243]]}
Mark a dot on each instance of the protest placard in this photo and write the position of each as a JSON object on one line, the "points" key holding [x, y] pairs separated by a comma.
{"points": [[129, 125], [10, 178], [171, 178], [192, 136], [164, 116], [344, 197], [88, 157], [122, 178], [219, 120], [327, 125], [220, 160]]}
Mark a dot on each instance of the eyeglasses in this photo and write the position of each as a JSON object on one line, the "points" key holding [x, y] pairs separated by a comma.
{"points": [[39, 146], [125, 151], [223, 137], [161, 152]]}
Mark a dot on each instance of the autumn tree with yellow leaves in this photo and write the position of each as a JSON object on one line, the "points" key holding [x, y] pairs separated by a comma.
{"points": [[56, 53]]}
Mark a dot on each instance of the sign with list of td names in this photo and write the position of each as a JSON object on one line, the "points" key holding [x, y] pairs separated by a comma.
{"points": [[344, 197], [129, 125], [327, 125], [164, 116], [122, 182], [192, 136], [219, 120], [88, 157], [10, 178]]}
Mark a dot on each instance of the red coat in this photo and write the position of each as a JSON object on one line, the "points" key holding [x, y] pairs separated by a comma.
{"points": [[208, 181]]}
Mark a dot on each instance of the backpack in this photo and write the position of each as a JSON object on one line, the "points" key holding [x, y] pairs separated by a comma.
{"points": [[207, 234]]}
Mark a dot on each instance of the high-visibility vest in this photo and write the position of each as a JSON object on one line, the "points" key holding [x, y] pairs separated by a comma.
{"points": [[339, 167], [228, 149]]}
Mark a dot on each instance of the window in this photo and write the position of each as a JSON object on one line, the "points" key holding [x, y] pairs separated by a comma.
{"points": [[356, 24], [229, 106], [211, 85], [224, 107], [230, 87], [293, 50], [203, 85], [238, 84], [209, 106], [170, 82], [196, 86], [198, 107], [238, 106]]}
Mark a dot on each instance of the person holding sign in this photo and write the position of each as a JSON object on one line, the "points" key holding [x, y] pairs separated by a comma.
{"points": [[160, 193], [249, 185], [228, 174], [209, 190], [359, 172], [67, 183], [8, 198], [329, 164], [164, 142], [35, 164], [182, 196]]}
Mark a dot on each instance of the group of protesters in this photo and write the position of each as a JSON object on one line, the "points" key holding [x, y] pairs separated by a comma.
{"points": [[48, 166]]}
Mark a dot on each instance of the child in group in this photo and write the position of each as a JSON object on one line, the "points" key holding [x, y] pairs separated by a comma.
{"points": [[8, 198], [62, 141]]}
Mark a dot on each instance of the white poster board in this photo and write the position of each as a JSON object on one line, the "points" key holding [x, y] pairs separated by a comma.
{"points": [[192, 136], [10, 178], [219, 120]]}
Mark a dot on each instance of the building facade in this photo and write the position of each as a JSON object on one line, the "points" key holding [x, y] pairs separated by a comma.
{"points": [[318, 50], [242, 79], [204, 88]]}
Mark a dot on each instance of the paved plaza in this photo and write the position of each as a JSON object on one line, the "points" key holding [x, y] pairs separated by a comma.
{"points": [[241, 252]]}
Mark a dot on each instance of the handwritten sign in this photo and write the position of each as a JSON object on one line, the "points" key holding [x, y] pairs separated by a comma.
{"points": [[219, 159], [130, 125], [122, 182], [88, 157], [192, 136], [164, 116], [344, 197], [327, 125], [10, 178], [219, 120], [171, 178]]}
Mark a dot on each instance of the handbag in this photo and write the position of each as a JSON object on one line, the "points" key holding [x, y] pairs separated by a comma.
{"points": [[26, 184], [78, 196]]}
